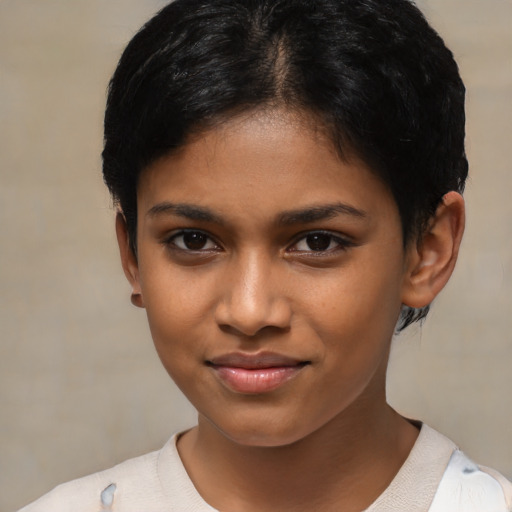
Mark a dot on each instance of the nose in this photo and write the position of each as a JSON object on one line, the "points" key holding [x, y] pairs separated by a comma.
{"points": [[252, 298]]}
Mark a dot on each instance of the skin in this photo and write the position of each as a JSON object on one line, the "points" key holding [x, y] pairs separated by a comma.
{"points": [[289, 251]]}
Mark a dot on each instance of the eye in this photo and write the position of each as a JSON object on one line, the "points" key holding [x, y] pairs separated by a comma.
{"points": [[320, 242], [191, 240]]}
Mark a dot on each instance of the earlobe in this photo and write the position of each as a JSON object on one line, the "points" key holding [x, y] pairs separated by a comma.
{"points": [[430, 262], [128, 260]]}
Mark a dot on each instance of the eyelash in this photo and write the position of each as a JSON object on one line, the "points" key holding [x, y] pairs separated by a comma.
{"points": [[171, 241], [341, 243]]}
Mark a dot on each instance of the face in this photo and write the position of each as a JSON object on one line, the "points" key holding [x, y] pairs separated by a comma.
{"points": [[272, 276]]}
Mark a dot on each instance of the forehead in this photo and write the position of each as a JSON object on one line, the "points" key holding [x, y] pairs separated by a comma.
{"points": [[265, 162]]}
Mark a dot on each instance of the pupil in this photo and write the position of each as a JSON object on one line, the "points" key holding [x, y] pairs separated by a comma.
{"points": [[318, 241], [195, 241]]}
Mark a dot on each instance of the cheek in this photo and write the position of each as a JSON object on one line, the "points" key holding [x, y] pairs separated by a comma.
{"points": [[175, 295], [179, 339], [355, 333], [359, 303], [178, 305], [355, 316]]}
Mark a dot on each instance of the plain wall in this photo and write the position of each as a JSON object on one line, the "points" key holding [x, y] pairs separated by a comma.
{"points": [[80, 385]]}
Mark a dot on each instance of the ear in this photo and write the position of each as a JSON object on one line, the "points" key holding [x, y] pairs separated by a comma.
{"points": [[430, 262], [128, 260]]}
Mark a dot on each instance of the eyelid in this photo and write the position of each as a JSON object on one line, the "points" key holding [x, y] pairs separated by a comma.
{"points": [[343, 241], [168, 240]]}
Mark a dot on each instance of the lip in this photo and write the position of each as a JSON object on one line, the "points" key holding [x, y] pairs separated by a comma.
{"points": [[255, 373]]}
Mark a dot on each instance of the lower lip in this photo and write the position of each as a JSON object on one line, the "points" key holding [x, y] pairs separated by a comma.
{"points": [[254, 381]]}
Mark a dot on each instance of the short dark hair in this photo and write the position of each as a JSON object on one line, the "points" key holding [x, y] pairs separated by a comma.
{"points": [[374, 72]]}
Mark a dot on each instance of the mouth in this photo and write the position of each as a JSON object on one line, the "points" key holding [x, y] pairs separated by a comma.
{"points": [[255, 373]]}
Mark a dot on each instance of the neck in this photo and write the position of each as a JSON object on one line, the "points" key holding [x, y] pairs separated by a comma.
{"points": [[345, 465]]}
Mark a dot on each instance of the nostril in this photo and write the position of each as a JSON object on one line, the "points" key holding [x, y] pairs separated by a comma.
{"points": [[266, 330]]}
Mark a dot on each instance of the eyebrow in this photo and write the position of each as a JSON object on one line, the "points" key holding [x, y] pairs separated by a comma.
{"points": [[320, 212], [290, 217], [187, 211]]}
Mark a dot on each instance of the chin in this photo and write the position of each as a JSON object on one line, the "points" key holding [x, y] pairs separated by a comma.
{"points": [[264, 434], [262, 439]]}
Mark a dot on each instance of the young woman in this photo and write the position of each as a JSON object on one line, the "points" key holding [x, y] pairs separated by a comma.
{"points": [[288, 176]]}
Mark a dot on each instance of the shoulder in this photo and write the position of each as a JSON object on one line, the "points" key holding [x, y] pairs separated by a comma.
{"points": [[151, 483], [438, 477], [98, 491], [467, 487]]}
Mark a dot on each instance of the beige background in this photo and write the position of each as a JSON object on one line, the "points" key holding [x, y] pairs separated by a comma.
{"points": [[80, 385]]}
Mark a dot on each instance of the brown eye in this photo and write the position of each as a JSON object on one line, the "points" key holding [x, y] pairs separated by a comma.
{"points": [[195, 241], [321, 242], [192, 241], [318, 241]]}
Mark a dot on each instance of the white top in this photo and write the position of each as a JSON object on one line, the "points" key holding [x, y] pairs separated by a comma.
{"points": [[436, 477]]}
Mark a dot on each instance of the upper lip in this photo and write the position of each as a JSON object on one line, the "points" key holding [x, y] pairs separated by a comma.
{"points": [[254, 361]]}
